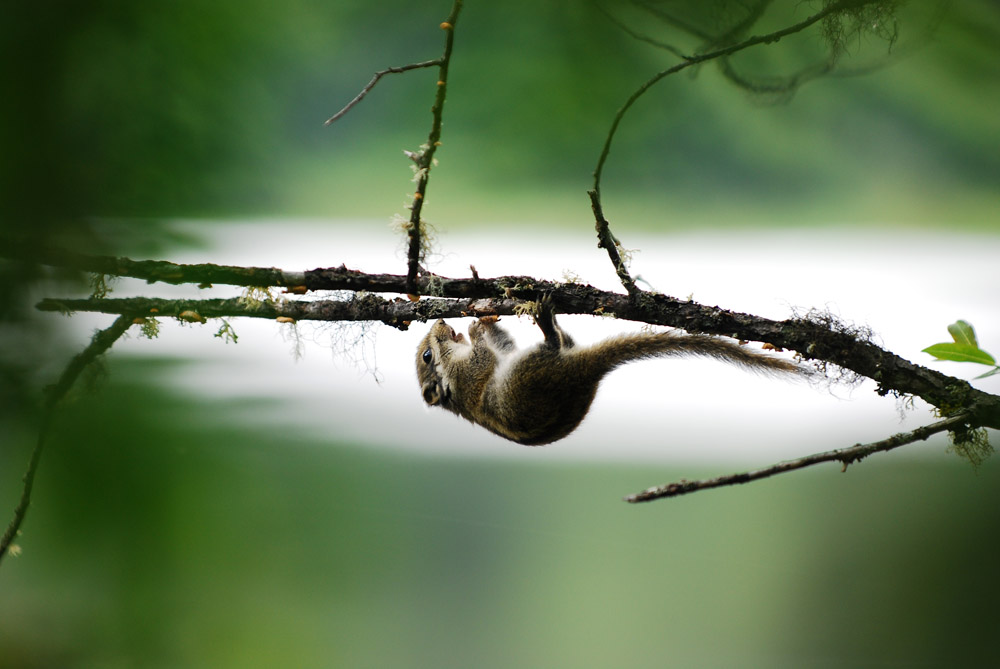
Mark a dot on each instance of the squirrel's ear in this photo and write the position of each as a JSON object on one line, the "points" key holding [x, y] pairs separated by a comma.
{"points": [[432, 394]]}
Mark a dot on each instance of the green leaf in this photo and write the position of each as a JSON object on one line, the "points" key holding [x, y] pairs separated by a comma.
{"points": [[960, 353], [963, 333], [995, 370]]}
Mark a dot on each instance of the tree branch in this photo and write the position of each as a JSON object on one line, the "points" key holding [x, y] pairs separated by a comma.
{"points": [[603, 228], [815, 337], [425, 157], [100, 343], [846, 456], [152, 270], [397, 312], [371, 84]]}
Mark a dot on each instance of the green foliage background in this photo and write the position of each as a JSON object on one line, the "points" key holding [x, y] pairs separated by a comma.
{"points": [[188, 109], [164, 534]]}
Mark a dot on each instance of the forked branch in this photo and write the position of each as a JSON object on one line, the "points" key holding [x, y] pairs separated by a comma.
{"points": [[424, 158]]}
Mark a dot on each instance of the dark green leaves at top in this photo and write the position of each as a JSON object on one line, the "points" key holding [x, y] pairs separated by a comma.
{"points": [[964, 348]]}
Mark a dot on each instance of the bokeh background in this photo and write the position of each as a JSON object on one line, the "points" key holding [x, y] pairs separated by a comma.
{"points": [[196, 524]]}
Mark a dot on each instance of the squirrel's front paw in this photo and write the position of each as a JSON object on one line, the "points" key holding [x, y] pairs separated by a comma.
{"points": [[481, 325], [545, 308]]}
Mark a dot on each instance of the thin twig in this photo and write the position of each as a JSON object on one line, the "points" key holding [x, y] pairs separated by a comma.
{"points": [[371, 84], [101, 342], [846, 456], [425, 158]]}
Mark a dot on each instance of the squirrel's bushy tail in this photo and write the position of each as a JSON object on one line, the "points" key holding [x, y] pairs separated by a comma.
{"points": [[619, 350]]}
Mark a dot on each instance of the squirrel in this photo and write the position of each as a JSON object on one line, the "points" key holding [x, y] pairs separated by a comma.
{"points": [[539, 395]]}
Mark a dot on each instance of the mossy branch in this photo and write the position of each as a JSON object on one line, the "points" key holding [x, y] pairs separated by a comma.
{"points": [[814, 338], [424, 159]]}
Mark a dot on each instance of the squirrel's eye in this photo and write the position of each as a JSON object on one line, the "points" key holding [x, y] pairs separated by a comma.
{"points": [[427, 356]]}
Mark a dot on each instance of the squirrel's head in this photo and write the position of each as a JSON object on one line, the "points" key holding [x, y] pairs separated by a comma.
{"points": [[437, 352]]}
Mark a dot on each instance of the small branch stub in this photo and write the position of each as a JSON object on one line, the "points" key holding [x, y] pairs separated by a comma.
{"points": [[608, 242]]}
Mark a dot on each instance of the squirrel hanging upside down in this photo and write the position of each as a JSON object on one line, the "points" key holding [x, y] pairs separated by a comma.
{"points": [[539, 395]]}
